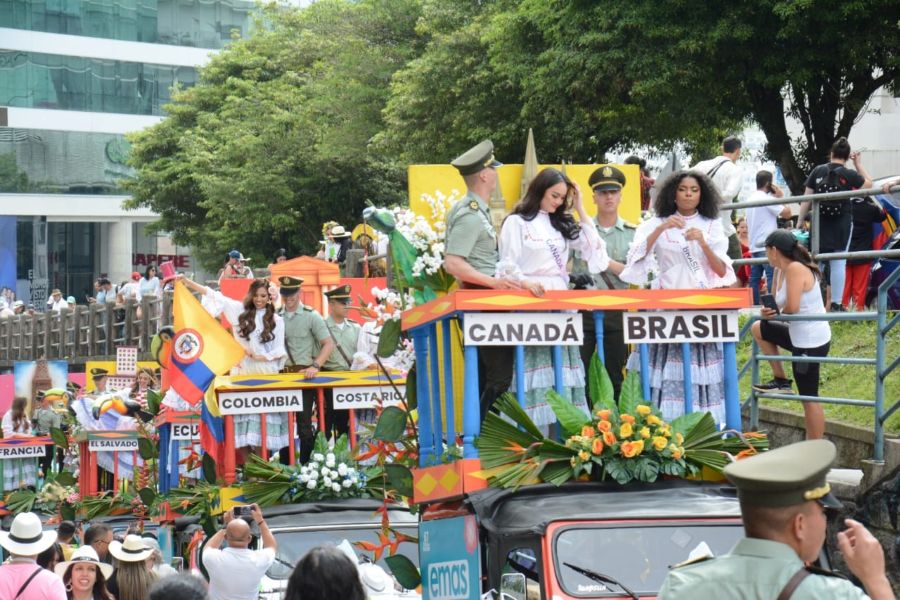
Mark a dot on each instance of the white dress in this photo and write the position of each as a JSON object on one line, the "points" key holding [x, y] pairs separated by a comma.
{"points": [[535, 251], [367, 348], [247, 428], [17, 472], [668, 265]]}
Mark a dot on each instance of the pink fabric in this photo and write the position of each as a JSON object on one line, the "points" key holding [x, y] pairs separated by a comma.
{"points": [[45, 586]]}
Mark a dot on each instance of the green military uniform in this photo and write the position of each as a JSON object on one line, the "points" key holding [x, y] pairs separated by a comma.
{"points": [[304, 328], [761, 568], [471, 234], [345, 338]]}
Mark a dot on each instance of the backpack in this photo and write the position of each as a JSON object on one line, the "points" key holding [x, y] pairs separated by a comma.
{"points": [[832, 182]]}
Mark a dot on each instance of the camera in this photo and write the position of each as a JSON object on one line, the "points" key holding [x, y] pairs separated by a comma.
{"points": [[242, 512]]}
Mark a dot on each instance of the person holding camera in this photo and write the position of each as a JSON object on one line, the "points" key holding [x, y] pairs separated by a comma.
{"points": [[236, 571], [761, 221]]}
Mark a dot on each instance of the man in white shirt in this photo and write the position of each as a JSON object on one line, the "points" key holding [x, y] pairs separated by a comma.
{"points": [[236, 571], [728, 178], [761, 222], [56, 302]]}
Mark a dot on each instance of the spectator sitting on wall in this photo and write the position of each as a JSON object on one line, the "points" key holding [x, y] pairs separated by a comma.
{"points": [[18, 307]]}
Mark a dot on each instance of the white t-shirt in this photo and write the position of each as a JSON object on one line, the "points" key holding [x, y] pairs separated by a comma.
{"points": [[761, 221], [235, 573], [728, 179]]}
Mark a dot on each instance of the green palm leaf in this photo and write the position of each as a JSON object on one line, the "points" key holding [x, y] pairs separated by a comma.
{"points": [[570, 418]]}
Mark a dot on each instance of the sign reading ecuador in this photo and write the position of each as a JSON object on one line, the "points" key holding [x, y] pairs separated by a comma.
{"points": [[523, 329], [669, 327]]}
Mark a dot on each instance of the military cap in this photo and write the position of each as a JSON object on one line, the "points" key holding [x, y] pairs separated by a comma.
{"points": [[476, 159], [98, 373], [72, 386], [340, 293], [288, 286], [607, 177], [786, 476], [40, 395]]}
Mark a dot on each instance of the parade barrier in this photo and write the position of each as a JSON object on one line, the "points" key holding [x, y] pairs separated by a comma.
{"points": [[91, 444], [32, 448], [283, 392], [656, 316]]}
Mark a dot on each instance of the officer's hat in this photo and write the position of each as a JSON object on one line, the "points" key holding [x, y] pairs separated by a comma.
{"points": [[606, 178], [73, 387], [786, 476], [98, 373], [476, 159], [288, 286], [340, 293]]}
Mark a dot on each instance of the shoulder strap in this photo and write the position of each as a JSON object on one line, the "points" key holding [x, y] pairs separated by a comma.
{"points": [[792, 583], [27, 581], [716, 168], [337, 345]]}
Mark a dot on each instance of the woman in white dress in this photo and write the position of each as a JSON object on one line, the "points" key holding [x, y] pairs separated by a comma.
{"points": [[683, 247], [535, 242], [17, 472], [260, 331]]}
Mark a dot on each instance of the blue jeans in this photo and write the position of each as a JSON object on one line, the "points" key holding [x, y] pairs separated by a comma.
{"points": [[756, 272]]}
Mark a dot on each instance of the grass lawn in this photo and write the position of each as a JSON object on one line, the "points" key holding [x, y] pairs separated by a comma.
{"points": [[848, 339]]}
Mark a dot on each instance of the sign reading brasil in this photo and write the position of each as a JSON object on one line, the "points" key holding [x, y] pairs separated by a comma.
{"points": [[523, 329], [685, 326]]}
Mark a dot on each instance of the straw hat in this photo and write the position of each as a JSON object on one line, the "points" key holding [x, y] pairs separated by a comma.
{"points": [[27, 537], [84, 554], [133, 549]]}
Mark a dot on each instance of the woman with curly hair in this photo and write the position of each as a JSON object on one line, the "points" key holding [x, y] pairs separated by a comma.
{"points": [[535, 242], [260, 331], [683, 247]]}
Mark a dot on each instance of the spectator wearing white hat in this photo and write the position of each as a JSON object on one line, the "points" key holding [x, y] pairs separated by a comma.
{"points": [[156, 563], [84, 576], [21, 578], [235, 268], [132, 579], [56, 301]]}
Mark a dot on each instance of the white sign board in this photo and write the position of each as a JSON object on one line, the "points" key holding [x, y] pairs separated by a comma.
{"points": [[186, 431], [684, 326], [523, 329], [254, 402], [21, 452], [346, 398], [121, 445], [126, 360]]}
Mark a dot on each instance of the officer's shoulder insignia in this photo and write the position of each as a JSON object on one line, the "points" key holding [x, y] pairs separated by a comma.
{"points": [[693, 561], [473, 205], [813, 570], [629, 225], [308, 308]]}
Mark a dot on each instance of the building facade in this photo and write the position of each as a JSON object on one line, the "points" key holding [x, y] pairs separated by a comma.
{"points": [[75, 77]]}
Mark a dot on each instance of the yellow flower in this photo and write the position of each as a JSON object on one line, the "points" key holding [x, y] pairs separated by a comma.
{"points": [[587, 431], [604, 414], [679, 438], [645, 432], [609, 438], [632, 449], [643, 410], [625, 430], [654, 420], [627, 419], [597, 446], [678, 453], [584, 456], [604, 426], [659, 443]]}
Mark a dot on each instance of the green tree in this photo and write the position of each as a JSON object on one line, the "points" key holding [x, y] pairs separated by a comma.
{"points": [[275, 138], [11, 178]]}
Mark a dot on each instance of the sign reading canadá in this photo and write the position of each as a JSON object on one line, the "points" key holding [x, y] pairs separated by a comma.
{"points": [[346, 398], [523, 329], [186, 431], [252, 402], [113, 444], [21, 452], [684, 326]]}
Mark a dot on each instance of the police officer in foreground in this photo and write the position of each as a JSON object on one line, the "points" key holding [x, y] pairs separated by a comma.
{"points": [[784, 498], [471, 257], [606, 185]]}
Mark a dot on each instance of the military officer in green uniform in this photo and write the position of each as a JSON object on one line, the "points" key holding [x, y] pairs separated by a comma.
{"points": [[471, 256], [606, 184], [784, 497], [344, 334], [308, 346]]}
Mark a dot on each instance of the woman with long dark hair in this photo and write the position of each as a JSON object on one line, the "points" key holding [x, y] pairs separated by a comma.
{"points": [[260, 331], [18, 472], [796, 291], [50, 557], [683, 247], [325, 573], [85, 576], [535, 242]]}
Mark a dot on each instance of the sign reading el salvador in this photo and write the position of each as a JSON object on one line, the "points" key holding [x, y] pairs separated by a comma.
{"points": [[668, 327], [523, 329], [367, 397], [252, 402]]}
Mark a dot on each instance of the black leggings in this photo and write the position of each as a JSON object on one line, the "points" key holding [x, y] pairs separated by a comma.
{"points": [[805, 374]]}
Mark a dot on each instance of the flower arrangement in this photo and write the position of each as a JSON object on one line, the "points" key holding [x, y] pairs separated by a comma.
{"points": [[57, 496]]}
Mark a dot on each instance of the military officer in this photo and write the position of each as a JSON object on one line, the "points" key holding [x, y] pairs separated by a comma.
{"points": [[784, 497], [344, 334], [606, 184], [471, 257], [308, 346], [100, 378]]}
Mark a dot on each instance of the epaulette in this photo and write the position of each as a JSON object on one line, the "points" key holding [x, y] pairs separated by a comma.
{"points": [[693, 561], [820, 571], [309, 308], [629, 225], [473, 205]]}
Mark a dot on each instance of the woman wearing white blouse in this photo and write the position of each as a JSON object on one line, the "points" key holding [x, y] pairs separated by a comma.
{"points": [[535, 242]]}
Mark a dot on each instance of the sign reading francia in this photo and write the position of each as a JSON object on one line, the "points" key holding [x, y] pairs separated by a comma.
{"points": [[114, 444], [523, 329], [367, 397], [21, 452], [667, 327], [254, 402]]}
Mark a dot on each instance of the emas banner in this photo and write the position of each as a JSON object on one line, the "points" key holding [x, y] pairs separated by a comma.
{"points": [[450, 557]]}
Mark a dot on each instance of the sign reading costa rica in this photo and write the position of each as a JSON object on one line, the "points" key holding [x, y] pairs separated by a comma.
{"points": [[252, 402], [683, 326], [523, 329], [347, 398]]}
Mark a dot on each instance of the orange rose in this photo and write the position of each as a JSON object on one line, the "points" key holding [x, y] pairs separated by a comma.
{"points": [[587, 431], [625, 430], [678, 453], [654, 420], [643, 410], [660, 443], [604, 414], [597, 446], [609, 438], [632, 449], [627, 419], [645, 432], [604, 426]]}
